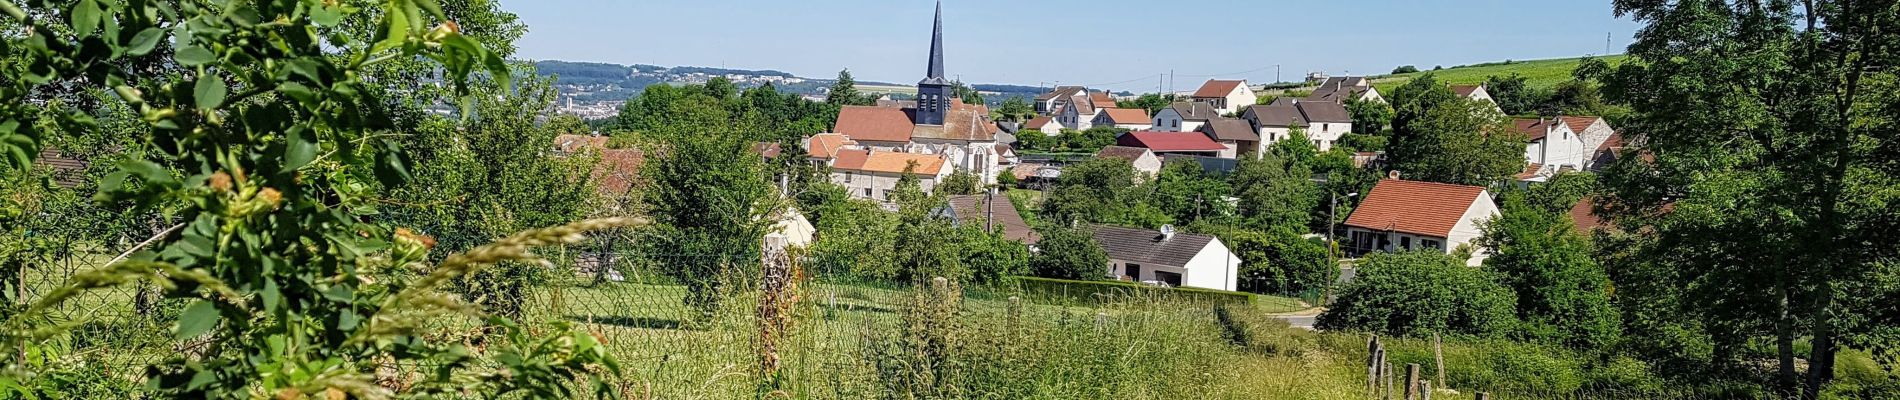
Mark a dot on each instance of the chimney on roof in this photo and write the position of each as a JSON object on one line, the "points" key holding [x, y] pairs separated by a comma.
{"points": [[1394, 175], [1167, 232]]}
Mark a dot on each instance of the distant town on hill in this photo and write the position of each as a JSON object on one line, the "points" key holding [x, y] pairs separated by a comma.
{"points": [[596, 90]]}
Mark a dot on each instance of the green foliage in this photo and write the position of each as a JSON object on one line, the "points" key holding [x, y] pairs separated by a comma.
{"points": [[1187, 194], [1540, 74], [1006, 179], [1404, 69], [1151, 102], [1420, 293], [1016, 109], [960, 183], [1440, 137], [990, 258], [1096, 292], [857, 233], [1514, 95], [1102, 191], [1093, 139], [1030, 139], [1761, 227], [1069, 253], [1353, 142], [265, 148], [1369, 117], [844, 92], [1562, 294], [967, 94], [708, 198], [1275, 193]]}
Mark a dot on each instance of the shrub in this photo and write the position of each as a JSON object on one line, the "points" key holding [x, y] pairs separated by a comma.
{"points": [[1062, 291], [1421, 292], [1404, 70], [1069, 253]]}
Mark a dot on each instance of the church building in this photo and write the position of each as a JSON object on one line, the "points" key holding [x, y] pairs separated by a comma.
{"points": [[937, 125]]}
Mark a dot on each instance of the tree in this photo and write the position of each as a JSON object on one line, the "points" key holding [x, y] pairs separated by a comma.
{"points": [[1440, 137], [1275, 193], [1296, 148], [1101, 190], [1420, 293], [1069, 253], [1188, 193], [991, 258], [708, 199], [960, 183], [844, 92], [1016, 109], [1562, 294], [968, 94], [1006, 179], [268, 143], [1404, 69], [1276, 263], [1151, 102], [1514, 95], [1767, 135], [1369, 117]]}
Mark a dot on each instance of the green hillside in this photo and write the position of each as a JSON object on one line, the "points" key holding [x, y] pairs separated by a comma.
{"points": [[1541, 73]]}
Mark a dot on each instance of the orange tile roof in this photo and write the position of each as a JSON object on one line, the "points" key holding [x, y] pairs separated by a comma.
{"points": [[964, 122], [1128, 115], [1530, 171], [826, 145], [1101, 100], [1420, 208], [888, 162], [1464, 90], [1163, 142], [1217, 88], [1039, 122], [883, 124]]}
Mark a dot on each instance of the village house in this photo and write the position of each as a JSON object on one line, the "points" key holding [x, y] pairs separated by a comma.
{"points": [[1236, 135], [1323, 122], [1052, 103], [1226, 96], [1184, 117], [993, 212], [1399, 215], [938, 123], [1078, 116], [1144, 160], [1045, 124], [1164, 144], [1474, 92], [1167, 258], [1556, 145], [873, 174], [1133, 119], [1338, 89]]}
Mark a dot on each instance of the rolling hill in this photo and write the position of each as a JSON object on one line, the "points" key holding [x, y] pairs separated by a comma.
{"points": [[1541, 73]]}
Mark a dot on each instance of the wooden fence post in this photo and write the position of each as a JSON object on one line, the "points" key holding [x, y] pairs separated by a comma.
{"points": [[1385, 372], [1411, 381], [1484, 396], [1425, 390], [1438, 355], [1372, 366]]}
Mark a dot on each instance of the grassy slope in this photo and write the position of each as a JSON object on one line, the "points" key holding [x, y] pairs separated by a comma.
{"points": [[1542, 73]]}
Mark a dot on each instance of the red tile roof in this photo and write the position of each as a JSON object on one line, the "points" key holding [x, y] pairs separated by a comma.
{"points": [[882, 124], [1218, 88], [1464, 90], [1578, 124], [1420, 208], [1534, 128], [1039, 122], [888, 162], [1128, 116], [619, 170], [767, 149], [573, 143], [1101, 100], [1586, 221], [1169, 141]]}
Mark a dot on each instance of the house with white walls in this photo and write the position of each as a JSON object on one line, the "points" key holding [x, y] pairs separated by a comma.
{"points": [[1323, 122], [1133, 119], [1167, 258], [1564, 144], [1185, 116], [873, 174], [1227, 96], [1399, 215]]}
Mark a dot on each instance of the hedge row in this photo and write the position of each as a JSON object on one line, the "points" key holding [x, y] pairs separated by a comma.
{"points": [[1096, 292]]}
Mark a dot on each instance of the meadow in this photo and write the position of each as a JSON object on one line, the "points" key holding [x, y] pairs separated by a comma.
{"points": [[1542, 74]]}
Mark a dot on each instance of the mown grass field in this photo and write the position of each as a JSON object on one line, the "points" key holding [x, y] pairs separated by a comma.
{"points": [[1541, 73]]}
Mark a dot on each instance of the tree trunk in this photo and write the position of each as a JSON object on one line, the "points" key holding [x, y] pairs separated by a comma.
{"points": [[1785, 375], [1821, 357]]}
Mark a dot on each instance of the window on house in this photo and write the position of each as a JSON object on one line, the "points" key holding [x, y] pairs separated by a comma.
{"points": [[867, 193], [1405, 242], [1132, 271], [1431, 244], [848, 176]]}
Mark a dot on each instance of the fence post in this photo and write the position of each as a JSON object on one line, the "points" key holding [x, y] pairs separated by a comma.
{"points": [[1385, 372], [1372, 366], [1484, 396], [1425, 390], [1411, 381], [1438, 355]]}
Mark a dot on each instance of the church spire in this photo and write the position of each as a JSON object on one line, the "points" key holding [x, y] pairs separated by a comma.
{"points": [[936, 47]]}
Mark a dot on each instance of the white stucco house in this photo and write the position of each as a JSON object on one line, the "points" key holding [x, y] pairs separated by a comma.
{"points": [[1184, 117], [1338, 89], [1400, 215], [1144, 160], [1563, 144], [1165, 257], [1045, 124], [1227, 96]]}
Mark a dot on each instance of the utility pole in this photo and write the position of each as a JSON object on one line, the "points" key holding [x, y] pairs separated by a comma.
{"points": [[1606, 43], [1170, 81], [1276, 73]]}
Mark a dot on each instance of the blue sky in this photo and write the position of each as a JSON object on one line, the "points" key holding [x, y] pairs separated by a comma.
{"points": [[1118, 44]]}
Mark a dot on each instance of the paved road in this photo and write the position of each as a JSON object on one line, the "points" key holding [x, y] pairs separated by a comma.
{"points": [[1299, 321]]}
